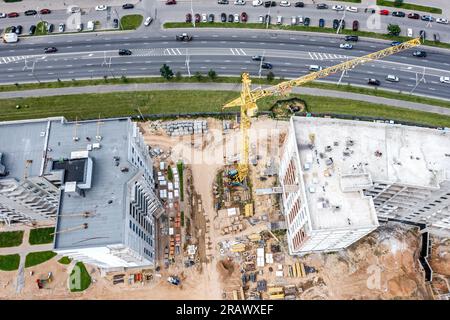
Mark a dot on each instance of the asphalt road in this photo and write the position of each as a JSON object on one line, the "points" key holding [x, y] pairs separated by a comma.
{"points": [[228, 52]]}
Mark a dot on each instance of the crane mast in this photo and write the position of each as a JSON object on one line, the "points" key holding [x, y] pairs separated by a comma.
{"points": [[248, 97]]}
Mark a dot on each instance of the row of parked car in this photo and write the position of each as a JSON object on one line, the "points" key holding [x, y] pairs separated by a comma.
{"points": [[243, 17], [27, 13]]}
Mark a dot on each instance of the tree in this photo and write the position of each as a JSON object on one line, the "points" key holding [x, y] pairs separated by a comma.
{"points": [[166, 72], [212, 74], [398, 3], [394, 29], [198, 76], [270, 76]]}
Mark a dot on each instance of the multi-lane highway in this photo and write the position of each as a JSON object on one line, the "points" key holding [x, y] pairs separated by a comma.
{"points": [[228, 52]]}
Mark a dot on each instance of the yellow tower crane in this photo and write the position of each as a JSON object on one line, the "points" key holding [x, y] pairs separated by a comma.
{"points": [[248, 98]]}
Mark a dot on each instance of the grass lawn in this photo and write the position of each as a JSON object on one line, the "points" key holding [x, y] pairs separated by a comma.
{"points": [[409, 6], [65, 260], [131, 22], [11, 239], [9, 262], [35, 258], [81, 283], [41, 28], [41, 235]]}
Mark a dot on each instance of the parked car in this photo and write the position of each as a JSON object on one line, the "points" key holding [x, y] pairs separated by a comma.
{"points": [[267, 19], [444, 80], [222, 1], [321, 23], [61, 27], [409, 32], [197, 18], [148, 21], [230, 18], [374, 82], [300, 20], [427, 18], [257, 3], [128, 6], [346, 46], [13, 15], [45, 11], [293, 20], [50, 27], [258, 58], [355, 25], [322, 6], [211, 18], [244, 17], [50, 50], [32, 30], [115, 23], [101, 7], [188, 18], [125, 52], [395, 43], [12, 29], [169, 2], [422, 34], [399, 14], [299, 4], [19, 29], [392, 78], [419, 53], [335, 24], [2, 15], [351, 9], [239, 2], [279, 19], [285, 4], [236, 17], [338, 7], [413, 15], [351, 38], [266, 65], [436, 37], [268, 4], [30, 12], [223, 17], [204, 17], [261, 19], [442, 20], [384, 12], [80, 27], [306, 22]]}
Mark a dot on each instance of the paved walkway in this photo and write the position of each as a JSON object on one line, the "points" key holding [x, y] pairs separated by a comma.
{"points": [[218, 86]]}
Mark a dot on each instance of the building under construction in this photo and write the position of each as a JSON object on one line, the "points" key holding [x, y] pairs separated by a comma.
{"points": [[94, 179], [340, 177]]}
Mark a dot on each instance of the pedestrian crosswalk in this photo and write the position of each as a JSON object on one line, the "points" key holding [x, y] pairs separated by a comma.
{"points": [[237, 52], [326, 56], [5, 60]]}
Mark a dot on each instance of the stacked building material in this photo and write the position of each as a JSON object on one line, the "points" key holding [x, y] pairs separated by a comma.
{"points": [[185, 127]]}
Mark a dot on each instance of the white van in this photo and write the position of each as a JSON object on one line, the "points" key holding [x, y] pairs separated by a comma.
{"points": [[279, 19], [90, 26], [410, 32], [10, 37]]}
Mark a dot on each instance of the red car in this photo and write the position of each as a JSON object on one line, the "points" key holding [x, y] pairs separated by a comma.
{"points": [[188, 18], [384, 12], [13, 15], [171, 2], [244, 17], [44, 11]]}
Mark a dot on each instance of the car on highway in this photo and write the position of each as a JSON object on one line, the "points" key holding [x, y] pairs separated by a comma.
{"points": [[188, 18], [45, 11], [204, 17], [338, 7], [413, 15], [61, 27], [427, 18], [30, 12], [170, 2], [211, 18], [299, 4], [266, 65], [50, 50], [197, 18], [384, 12], [314, 68], [355, 25], [148, 21], [128, 6], [244, 17], [257, 58], [101, 7], [395, 43], [268, 4], [257, 3], [19, 29], [444, 80], [442, 20], [236, 17], [374, 82], [285, 4], [399, 14], [321, 23], [261, 19], [115, 23], [32, 30], [392, 78], [419, 53], [2, 15], [183, 37], [346, 46], [351, 38], [230, 17], [124, 52], [50, 27], [13, 15], [240, 2], [307, 22], [222, 1], [322, 6]]}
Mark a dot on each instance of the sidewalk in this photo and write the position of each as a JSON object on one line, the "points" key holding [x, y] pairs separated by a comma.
{"points": [[218, 86]]}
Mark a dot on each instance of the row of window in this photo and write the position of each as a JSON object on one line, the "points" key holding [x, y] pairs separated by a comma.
{"points": [[148, 253], [141, 234]]}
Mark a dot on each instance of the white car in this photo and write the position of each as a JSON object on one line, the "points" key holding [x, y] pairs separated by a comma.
{"points": [[236, 17], [61, 27], [285, 4], [101, 7], [346, 46], [442, 20], [445, 79], [2, 15], [257, 3], [240, 2], [293, 20], [392, 78], [351, 9], [148, 21], [261, 19], [279, 19], [338, 8], [204, 17], [300, 20]]}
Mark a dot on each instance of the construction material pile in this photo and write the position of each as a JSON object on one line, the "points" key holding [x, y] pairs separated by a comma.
{"points": [[186, 127]]}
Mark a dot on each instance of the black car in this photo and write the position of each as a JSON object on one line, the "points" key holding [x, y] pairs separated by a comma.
{"points": [[30, 12], [299, 4], [373, 82], [420, 54], [32, 30], [400, 14], [188, 18], [258, 58], [115, 23], [355, 25], [50, 28], [230, 18], [12, 29], [268, 4], [19, 29], [211, 18], [351, 38], [223, 17], [321, 23], [422, 34], [306, 22], [322, 6], [222, 1], [266, 65], [50, 50], [128, 6], [267, 19], [413, 16], [124, 52], [335, 23]]}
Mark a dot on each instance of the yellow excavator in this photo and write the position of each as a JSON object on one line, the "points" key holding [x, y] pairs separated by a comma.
{"points": [[248, 98]]}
